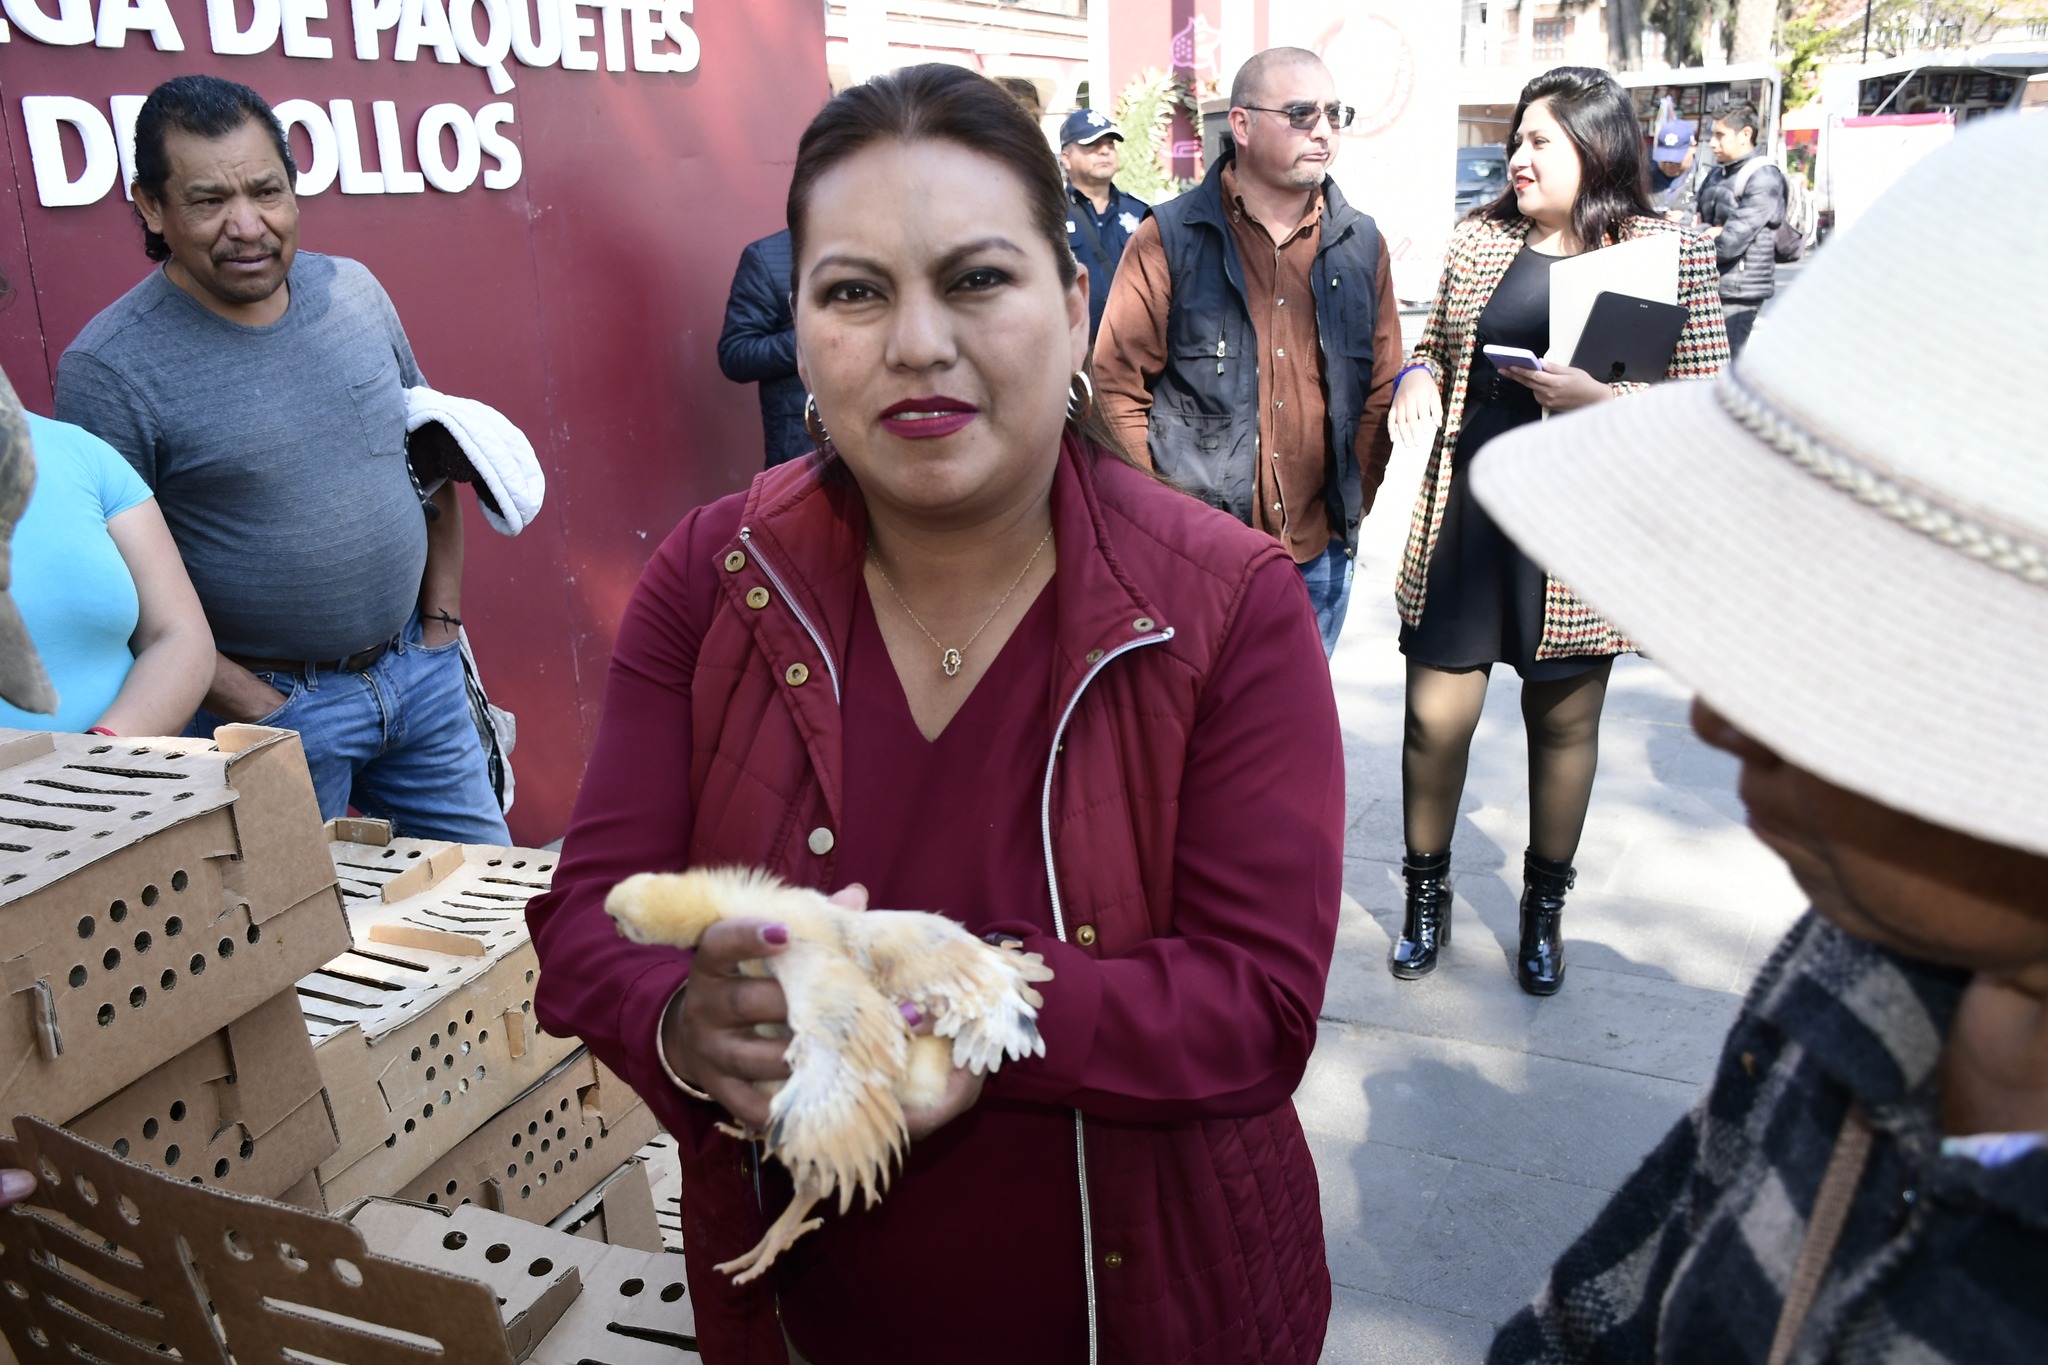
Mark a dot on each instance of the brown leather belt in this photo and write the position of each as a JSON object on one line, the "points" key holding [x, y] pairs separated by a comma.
{"points": [[354, 663]]}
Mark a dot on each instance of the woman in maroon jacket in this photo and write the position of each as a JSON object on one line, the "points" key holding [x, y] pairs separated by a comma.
{"points": [[966, 659]]}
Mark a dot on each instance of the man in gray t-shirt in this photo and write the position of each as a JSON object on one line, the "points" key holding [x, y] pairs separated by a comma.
{"points": [[260, 392]]}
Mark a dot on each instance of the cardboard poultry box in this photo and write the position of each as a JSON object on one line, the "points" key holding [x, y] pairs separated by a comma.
{"points": [[547, 1149], [151, 892], [423, 1030], [240, 1109], [109, 1261], [664, 1163], [618, 1212]]}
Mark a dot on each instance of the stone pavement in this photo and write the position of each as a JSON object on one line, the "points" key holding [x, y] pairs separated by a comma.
{"points": [[1465, 1132]]}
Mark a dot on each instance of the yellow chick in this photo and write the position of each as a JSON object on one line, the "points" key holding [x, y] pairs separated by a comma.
{"points": [[837, 1122]]}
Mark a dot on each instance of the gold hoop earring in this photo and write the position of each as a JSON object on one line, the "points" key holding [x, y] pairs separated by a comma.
{"points": [[814, 425], [1080, 398]]}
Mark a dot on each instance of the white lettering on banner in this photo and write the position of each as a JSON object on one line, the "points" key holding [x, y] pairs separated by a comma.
{"points": [[391, 151], [489, 120], [349, 152], [455, 148], [424, 23], [298, 42], [454, 119], [371, 17], [119, 18], [318, 170], [71, 28], [488, 53], [46, 117], [230, 39]]}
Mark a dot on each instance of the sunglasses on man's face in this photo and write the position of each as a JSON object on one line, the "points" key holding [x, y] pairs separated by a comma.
{"points": [[1302, 117]]}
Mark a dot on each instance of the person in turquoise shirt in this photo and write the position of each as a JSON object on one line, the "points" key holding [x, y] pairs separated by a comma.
{"points": [[104, 594]]}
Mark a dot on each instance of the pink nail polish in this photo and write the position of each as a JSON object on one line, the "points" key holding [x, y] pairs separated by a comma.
{"points": [[776, 934], [912, 1015]]}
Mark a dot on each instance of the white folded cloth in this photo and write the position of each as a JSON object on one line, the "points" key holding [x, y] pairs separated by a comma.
{"points": [[499, 451]]}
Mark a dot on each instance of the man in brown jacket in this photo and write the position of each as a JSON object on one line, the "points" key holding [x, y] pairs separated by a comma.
{"points": [[1250, 343]]}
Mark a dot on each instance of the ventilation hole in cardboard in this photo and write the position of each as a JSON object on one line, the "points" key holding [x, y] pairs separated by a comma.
{"points": [[427, 1110], [225, 948], [544, 867], [415, 1054], [462, 1086], [18, 1290], [349, 1273], [126, 1207], [247, 1149], [526, 1191], [483, 1035], [520, 863], [88, 1192], [140, 815], [50, 1173], [137, 998], [106, 1015], [149, 1130], [173, 927], [389, 853], [434, 1199], [517, 1138], [289, 1254], [143, 941], [117, 912], [78, 976], [448, 1059], [573, 1154], [451, 1032], [430, 1073], [182, 796], [101, 749], [542, 1179], [179, 881], [171, 1155], [433, 1040], [544, 1144], [528, 1157], [671, 1292], [446, 1099], [558, 1168], [149, 895], [489, 862], [588, 1143], [13, 877], [512, 1171], [455, 1241], [110, 959], [529, 981], [631, 1288], [220, 1169], [237, 1248], [534, 1128], [121, 1148], [177, 1111], [39, 1337], [479, 1070], [548, 1117], [197, 966], [86, 926], [468, 1017], [410, 1125], [560, 1133], [391, 1140], [497, 1253], [168, 981], [255, 934]]}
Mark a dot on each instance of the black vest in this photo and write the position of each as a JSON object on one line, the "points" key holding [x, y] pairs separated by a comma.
{"points": [[1204, 432]]}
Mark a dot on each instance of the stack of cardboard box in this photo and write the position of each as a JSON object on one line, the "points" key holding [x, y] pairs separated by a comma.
{"points": [[210, 983]]}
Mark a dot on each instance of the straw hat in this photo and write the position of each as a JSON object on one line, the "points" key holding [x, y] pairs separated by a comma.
{"points": [[1842, 543], [22, 680]]}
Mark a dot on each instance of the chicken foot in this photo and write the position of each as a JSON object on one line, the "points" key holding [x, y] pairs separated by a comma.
{"points": [[781, 1234]]}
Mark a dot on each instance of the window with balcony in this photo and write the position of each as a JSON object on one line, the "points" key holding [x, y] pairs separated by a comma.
{"points": [[1546, 40]]}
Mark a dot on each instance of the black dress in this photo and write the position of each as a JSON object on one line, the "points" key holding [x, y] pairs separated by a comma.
{"points": [[1484, 602]]}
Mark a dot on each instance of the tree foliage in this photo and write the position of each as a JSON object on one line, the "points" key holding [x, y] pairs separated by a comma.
{"points": [[1144, 111]]}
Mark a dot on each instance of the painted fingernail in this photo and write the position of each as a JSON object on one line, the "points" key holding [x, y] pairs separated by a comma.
{"points": [[16, 1185], [777, 934], [912, 1015]]}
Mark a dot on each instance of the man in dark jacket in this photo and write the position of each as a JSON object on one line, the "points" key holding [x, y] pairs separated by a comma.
{"points": [[1100, 217], [1251, 340], [758, 345], [1741, 205]]}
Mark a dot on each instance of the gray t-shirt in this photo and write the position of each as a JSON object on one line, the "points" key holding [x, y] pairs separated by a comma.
{"points": [[277, 453]]}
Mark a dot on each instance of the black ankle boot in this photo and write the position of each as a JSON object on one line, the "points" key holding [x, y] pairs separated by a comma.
{"points": [[1539, 964], [1428, 923]]}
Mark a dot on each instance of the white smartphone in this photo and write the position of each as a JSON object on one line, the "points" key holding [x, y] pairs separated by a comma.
{"points": [[1512, 357]]}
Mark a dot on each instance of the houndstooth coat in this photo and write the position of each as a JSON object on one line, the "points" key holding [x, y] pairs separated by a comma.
{"points": [[1478, 256]]}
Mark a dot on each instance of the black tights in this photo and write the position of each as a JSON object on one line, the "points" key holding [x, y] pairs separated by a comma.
{"points": [[1563, 721]]}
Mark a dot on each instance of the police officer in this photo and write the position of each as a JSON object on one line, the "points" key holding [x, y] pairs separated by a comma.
{"points": [[1100, 217]]}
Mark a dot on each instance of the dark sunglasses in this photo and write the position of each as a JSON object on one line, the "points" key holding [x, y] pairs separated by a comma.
{"points": [[1302, 117]]}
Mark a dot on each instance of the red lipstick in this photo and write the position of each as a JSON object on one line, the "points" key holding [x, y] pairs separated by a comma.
{"points": [[922, 419]]}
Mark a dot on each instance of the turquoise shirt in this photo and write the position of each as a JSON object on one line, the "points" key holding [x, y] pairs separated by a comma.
{"points": [[70, 581]]}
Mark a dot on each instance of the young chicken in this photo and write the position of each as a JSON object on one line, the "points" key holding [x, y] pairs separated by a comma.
{"points": [[837, 1122]]}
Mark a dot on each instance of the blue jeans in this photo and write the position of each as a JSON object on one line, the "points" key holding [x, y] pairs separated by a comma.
{"points": [[396, 741], [1328, 579]]}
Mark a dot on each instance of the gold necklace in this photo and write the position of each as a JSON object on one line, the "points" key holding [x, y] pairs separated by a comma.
{"points": [[950, 659]]}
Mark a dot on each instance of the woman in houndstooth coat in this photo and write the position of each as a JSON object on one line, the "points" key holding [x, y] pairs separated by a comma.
{"points": [[1468, 597]]}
